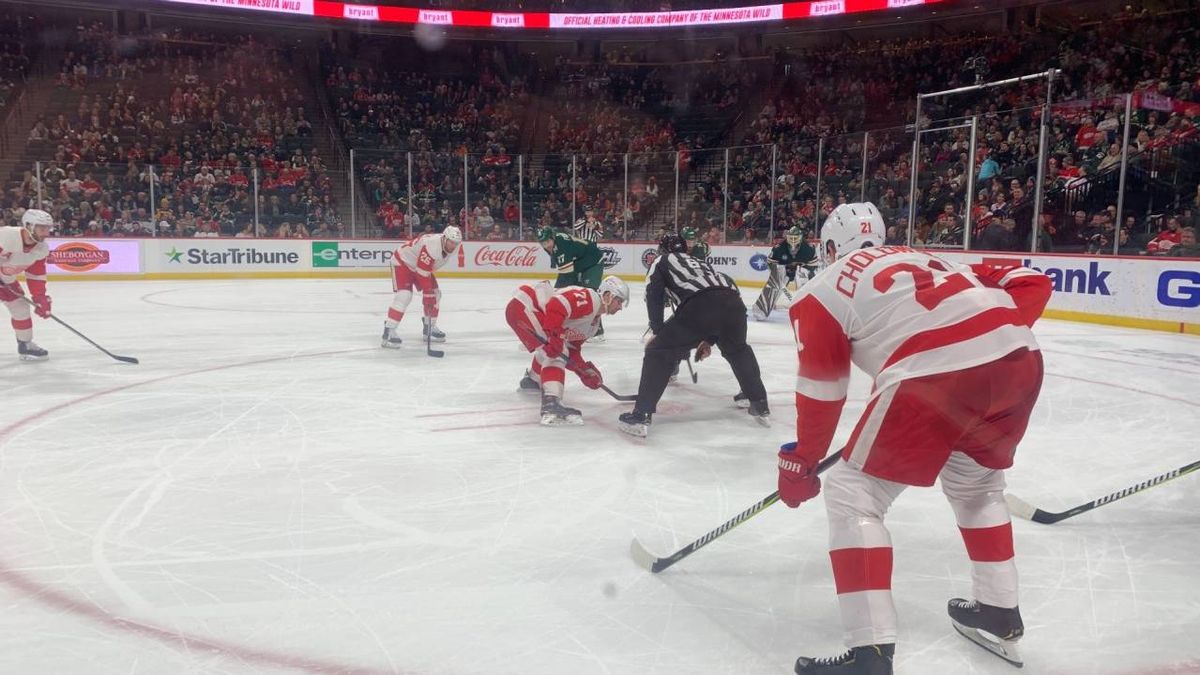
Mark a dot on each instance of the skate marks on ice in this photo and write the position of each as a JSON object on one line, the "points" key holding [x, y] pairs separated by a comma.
{"points": [[310, 504]]}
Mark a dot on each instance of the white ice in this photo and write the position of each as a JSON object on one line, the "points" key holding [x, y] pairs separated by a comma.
{"points": [[269, 491]]}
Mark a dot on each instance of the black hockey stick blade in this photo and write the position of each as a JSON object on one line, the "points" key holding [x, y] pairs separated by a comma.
{"points": [[695, 378], [627, 398], [435, 353], [64, 324], [648, 561], [1023, 509]]}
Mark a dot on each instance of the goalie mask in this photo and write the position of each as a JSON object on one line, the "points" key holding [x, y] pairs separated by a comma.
{"points": [[794, 236], [849, 228]]}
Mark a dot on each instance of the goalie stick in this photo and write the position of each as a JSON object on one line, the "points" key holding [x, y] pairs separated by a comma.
{"points": [[1023, 509], [64, 324], [648, 561]]}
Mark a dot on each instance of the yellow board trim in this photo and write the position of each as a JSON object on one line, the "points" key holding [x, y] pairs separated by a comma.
{"points": [[1123, 321]]}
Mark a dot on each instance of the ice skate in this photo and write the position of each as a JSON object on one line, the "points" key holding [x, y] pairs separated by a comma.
{"points": [[674, 375], [598, 338], [996, 629], [554, 413], [760, 412], [389, 341], [741, 400], [432, 332], [635, 423], [869, 660], [29, 351], [528, 385]]}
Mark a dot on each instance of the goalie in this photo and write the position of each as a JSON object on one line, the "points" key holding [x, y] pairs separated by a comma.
{"points": [[790, 255]]}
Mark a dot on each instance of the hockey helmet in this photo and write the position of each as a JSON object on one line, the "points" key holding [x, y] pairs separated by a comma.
{"points": [[35, 218], [689, 234], [616, 286], [452, 234], [672, 243], [545, 234], [851, 227], [794, 236]]}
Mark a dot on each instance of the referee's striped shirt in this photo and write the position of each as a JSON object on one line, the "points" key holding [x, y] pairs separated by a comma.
{"points": [[679, 277]]}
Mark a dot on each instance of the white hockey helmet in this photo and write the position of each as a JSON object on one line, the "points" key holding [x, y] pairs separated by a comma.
{"points": [[452, 234], [851, 227], [617, 286], [34, 218]]}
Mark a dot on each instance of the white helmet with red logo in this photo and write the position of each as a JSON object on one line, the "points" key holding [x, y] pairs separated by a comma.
{"points": [[452, 234], [851, 227]]}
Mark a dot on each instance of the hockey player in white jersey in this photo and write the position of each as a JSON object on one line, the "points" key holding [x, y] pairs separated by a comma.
{"points": [[24, 249], [413, 265], [956, 373], [553, 324]]}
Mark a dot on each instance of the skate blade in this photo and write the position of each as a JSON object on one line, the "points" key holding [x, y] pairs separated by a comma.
{"points": [[763, 420], [1005, 649], [31, 357], [530, 392], [742, 405], [437, 339], [639, 430], [556, 421], [391, 345], [596, 339]]}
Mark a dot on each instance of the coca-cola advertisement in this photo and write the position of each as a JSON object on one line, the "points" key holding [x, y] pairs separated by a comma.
{"points": [[520, 256]]}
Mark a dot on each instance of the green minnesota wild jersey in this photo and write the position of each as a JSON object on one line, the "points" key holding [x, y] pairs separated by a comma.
{"points": [[572, 254], [803, 255]]}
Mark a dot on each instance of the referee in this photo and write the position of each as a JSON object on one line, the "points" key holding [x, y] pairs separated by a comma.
{"points": [[709, 311]]}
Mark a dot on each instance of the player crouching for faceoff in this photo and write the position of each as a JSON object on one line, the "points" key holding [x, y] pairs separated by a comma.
{"points": [[24, 249], [956, 372], [413, 265], [553, 324]]}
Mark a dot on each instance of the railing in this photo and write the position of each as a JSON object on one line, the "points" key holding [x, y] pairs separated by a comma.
{"points": [[1110, 187]]}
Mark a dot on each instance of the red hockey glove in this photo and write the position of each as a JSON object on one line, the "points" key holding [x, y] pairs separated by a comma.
{"points": [[554, 346], [10, 292], [798, 482], [589, 375], [42, 305]]}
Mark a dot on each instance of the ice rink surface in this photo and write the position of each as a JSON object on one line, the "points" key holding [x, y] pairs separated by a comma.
{"points": [[269, 491]]}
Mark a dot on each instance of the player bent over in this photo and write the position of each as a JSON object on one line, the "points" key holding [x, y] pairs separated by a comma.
{"points": [[413, 265], [24, 249], [553, 325], [956, 373], [579, 263]]}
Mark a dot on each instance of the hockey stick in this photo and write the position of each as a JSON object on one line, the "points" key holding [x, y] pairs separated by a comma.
{"points": [[610, 392], [620, 397], [435, 353], [1023, 509], [64, 324], [653, 564]]}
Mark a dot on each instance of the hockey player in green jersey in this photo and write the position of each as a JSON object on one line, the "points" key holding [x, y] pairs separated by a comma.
{"points": [[792, 253], [783, 261], [696, 246], [579, 262]]}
